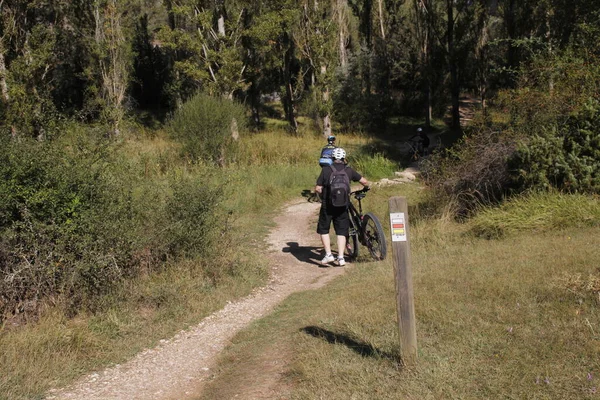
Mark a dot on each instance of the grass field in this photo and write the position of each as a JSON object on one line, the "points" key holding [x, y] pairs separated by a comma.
{"points": [[271, 168], [514, 318], [507, 304]]}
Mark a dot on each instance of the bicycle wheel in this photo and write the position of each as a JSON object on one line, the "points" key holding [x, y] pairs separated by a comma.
{"points": [[374, 237], [352, 240]]}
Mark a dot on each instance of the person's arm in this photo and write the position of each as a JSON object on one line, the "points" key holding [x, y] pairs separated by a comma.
{"points": [[319, 185], [356, 177]]}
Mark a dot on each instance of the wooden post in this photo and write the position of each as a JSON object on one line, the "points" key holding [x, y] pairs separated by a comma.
{"points": [[403, 276]]}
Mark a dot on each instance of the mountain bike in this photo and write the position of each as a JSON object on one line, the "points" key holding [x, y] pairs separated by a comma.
{"points": [[364, 229], [412, 149]]}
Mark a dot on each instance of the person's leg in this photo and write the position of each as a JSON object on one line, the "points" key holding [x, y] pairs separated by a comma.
{"points": [[341, 224], [323, 231], [326, 243], [341, 245]]}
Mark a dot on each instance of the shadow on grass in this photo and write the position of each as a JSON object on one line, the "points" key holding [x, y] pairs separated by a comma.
{"points": [[307, 254], [364, 349]]}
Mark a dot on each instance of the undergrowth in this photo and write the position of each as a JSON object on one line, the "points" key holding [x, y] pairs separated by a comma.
{"points": [[511, 318], [196, 241], [537, 212]]}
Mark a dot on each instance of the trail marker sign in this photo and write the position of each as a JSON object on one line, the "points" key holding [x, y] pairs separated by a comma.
{"points": [[403, 277]]}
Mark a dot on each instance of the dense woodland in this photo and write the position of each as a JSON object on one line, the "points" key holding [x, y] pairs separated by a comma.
{"points": [[355, 62], [76, 75]]}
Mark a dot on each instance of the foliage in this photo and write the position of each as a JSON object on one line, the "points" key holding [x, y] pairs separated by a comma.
{"points": [[207, 128], [537, 212], [76, 219], [474, 171], [191, 223], [551, 139], [374, 167], [564, 155], [353, 108], [65, 224]]}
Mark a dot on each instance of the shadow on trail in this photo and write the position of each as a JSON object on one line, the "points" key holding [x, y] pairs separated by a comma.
{"points": [[307, 254], [311, 196], [364, 349]]}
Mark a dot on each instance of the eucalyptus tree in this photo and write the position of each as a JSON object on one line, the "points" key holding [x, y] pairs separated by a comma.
{"points": [[322, 40], [114, 58], [43, 59]]}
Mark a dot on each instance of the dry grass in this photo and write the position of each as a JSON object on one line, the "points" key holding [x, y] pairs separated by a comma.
{"points": [[156, 306], [492, 322], [537, 212]]}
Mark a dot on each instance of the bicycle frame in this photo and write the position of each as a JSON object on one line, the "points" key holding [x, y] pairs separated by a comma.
{"points": [[356, 215], [364, 229]]}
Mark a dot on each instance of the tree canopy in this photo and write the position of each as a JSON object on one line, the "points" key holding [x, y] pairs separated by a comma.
{"points": [[354, 61]]}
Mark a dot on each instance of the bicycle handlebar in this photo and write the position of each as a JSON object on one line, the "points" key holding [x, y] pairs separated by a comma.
{"points": [[365, 189]]}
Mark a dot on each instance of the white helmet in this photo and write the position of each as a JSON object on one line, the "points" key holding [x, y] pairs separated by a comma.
{"points": [[339, 153]]}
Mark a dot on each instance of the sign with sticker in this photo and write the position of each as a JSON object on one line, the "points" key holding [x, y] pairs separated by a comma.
{"points": [[398, 226]]}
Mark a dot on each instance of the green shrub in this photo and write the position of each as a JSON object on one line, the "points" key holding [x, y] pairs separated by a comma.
{"points": [[551, 140], [66, 223], [354, 108], [77, 218], [192, 219], [374, 167], [206, 127], [563, 155], [538, 212]]}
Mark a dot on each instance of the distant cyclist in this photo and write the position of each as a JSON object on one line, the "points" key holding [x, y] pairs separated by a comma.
{"points": [[422, 141], [327, 152]]}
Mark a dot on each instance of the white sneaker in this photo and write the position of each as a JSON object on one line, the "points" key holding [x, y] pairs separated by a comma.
{"points": [[341, 261], [327, 259]]}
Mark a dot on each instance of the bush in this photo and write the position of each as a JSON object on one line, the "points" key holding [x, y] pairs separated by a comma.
{"points": [[354, 108], [564, 155], [192, 217], [50, 239], [206, 127], [474, 171], [374, 167], [552, 140], [76, 219], [537, 212]]}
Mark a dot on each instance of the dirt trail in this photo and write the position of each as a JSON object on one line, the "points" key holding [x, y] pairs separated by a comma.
{"points": [[177, 368]]}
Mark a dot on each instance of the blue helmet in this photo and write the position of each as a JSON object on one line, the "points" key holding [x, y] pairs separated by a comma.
{"points": [[330, 139]]}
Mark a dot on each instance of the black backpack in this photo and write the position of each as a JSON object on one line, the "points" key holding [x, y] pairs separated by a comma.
{"points": [[339, 187]]}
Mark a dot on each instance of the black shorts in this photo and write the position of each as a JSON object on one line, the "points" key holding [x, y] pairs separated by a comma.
{"points": [[340, 217]]}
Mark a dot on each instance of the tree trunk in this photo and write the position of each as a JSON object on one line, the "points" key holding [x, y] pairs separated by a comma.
{"points": [[327, 117], [113, 62], [511, 28], [343, 37], [481, 52], [550, 49], [221, 25], [367, 28], [425, 20], [170, 13], [381, 23], [288, 101], [454, 87], [4, 87]]}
